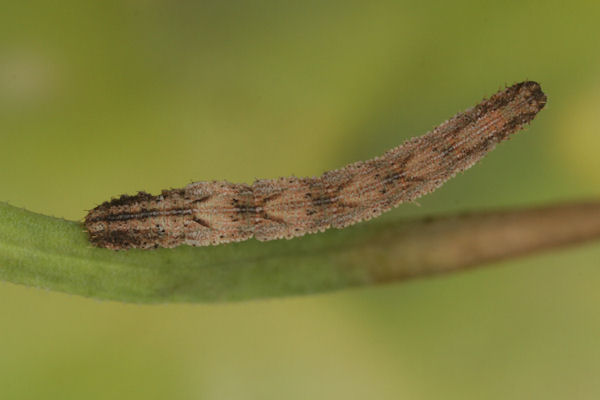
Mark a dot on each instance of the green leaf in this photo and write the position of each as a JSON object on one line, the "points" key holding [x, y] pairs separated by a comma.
{"points": [[41, 251]]}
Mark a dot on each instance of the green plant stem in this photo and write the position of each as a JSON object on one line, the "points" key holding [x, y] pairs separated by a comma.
{"points": [[41, 251]]}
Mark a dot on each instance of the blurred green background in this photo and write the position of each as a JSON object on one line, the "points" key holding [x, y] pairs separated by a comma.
{"points": [[111, 97]]}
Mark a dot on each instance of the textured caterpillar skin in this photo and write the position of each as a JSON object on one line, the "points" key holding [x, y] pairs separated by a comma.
{"points": [[210, 213]]}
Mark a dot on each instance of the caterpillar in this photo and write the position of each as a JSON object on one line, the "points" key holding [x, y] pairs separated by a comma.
{"points": [[211, 213]]}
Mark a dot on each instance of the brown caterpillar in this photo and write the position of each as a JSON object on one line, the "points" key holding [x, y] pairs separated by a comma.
{"points": [[210, 213]]}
